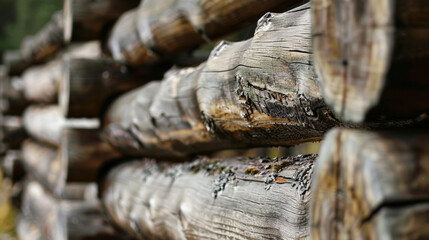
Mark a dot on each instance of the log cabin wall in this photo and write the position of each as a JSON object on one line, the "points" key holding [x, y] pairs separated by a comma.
{"points": [[108, 132]]}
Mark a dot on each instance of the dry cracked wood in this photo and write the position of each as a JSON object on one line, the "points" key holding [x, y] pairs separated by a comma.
{"points": [[161, 28], [52, 218], [371, 185], [258, 92], [372, 57], [86, 20], [41, 83], [212, 198]]}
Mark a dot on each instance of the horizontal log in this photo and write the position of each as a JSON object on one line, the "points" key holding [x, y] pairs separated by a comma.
{"points": [[371, 185], [61, 219], [86, 20], [45, 43], [44, 122], [211, 198], [163, 28], [371, 57], [88, 84], [259, 92], [41, 83]]}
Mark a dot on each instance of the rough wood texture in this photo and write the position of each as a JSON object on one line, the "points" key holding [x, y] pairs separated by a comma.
{"points": [[89, 84], [89, 20], [63, 220], [254, 93], [46, 42], [212, 198], [370, 185], [82, 153], [372, 57], [162, 28], [41, 83]]}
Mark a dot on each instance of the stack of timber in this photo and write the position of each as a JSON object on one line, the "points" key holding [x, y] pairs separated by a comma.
{"points": [[158, 29], [259, 92]]}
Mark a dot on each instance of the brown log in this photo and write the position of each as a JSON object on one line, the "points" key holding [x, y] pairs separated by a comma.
{"points": [[41, 83], [259, 92], [86, 20], [45, 43], [372, 57], [169, 27], [88, 84], [371, 185], [61, 219], [212, 198]]}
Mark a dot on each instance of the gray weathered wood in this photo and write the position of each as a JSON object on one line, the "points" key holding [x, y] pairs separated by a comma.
{"points": [[211, 198], [159, 29], [372, 57], [254, 93], [86, 20], [371, 185]]}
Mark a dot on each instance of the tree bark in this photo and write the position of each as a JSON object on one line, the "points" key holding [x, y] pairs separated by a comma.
{"points": [[89, 84], [86, 20], [258, 92], [41, 83], [371, 185], [211, 198], [168, 27], [372, 57]]}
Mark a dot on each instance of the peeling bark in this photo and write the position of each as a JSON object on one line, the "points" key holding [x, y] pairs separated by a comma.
{"points": [[371, 185], [372, 57], [258, 92], [211, 198], [159, 29]]}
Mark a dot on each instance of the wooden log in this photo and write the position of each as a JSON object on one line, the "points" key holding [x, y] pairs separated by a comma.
{"points": [[45, 43], [44, 123], [13, 132], [372, 57], [41, 83], [61, 219], [88, 84], [371, 185], [212, 198], [260, 92], [82, 153], [86, 20], [12, 99], [26, 229], [15, 62], [169, 27], [11, 165]]}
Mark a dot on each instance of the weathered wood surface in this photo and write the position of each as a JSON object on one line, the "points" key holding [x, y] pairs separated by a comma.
{"points": [[371, 185], [89, 84], [44, 122], [372, 57], [162, 28], [41, 83], [254, 93], [63, 220], [212, 198], [86, 20]]}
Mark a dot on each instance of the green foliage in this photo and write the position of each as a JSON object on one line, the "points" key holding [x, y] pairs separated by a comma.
{"points": [[29, 16]]}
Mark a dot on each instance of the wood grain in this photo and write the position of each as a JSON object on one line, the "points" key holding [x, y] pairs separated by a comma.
{"points": [[371, 185], [259, 92], [211, 198], [372, 57]]}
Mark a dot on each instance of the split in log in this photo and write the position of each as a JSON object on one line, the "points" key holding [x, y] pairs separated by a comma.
{"points": [[372, 57], [371, 185], [259, 92], [88, 84], [41, 83], [13, 132], [86, 20], [64, 220], [46, 122], [211, 198], [162, 28]]}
